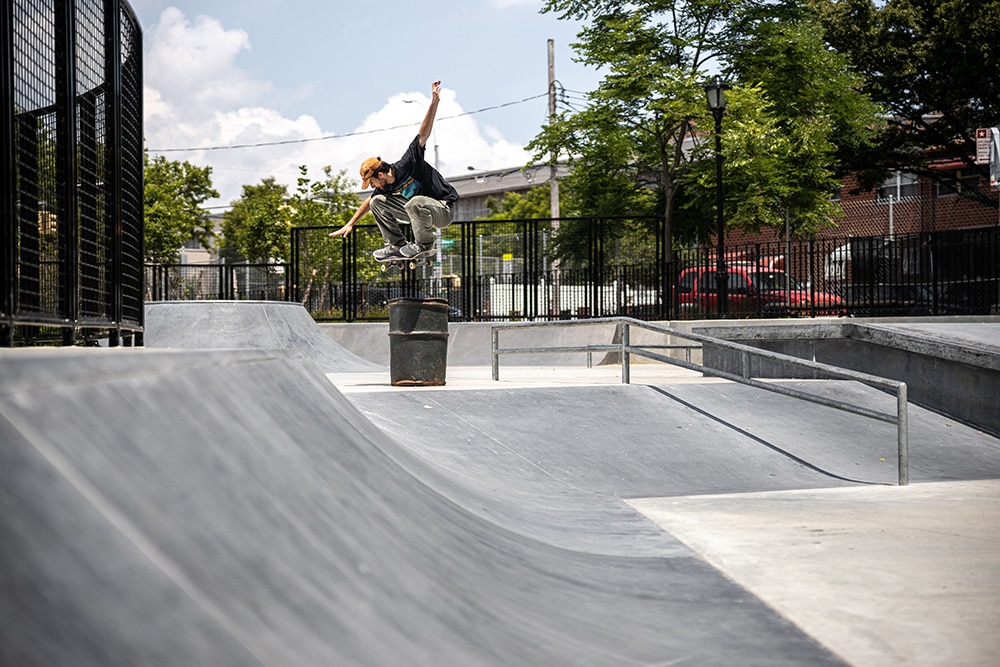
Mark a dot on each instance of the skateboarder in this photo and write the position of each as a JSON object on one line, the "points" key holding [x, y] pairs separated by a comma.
{"points": [[408, 190]]}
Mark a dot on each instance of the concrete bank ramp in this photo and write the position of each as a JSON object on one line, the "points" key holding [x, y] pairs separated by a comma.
{"points": [[556, 463], [182, 508], [280, 325]]}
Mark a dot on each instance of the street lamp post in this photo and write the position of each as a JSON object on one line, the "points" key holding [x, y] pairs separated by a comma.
{"points": [[715, 91]]}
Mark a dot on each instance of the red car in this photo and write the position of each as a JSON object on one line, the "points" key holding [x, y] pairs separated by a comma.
{"points": [[752, 291]]}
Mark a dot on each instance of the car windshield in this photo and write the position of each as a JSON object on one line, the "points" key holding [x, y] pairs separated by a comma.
{"points": [[773, 280]]}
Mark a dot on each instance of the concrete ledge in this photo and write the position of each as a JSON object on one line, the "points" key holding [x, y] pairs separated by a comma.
{"points": [[469, 343], [950, 365]]}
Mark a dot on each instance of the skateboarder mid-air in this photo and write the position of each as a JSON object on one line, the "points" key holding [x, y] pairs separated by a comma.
{"points": [[406, 190]]}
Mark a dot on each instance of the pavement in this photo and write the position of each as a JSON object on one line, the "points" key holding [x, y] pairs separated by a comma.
{"points": [[245, 506]]}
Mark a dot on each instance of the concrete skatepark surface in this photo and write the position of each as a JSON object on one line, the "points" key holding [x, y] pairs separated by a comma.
{"points": [[241, 507], [200, 325]]}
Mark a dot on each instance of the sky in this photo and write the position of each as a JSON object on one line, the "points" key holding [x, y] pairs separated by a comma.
{"points": [[338, 81]]}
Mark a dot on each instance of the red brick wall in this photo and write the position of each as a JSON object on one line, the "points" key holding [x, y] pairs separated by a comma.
{"points": [[866, 215]]}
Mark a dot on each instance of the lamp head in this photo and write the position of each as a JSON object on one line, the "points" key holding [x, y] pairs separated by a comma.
{"points": [[715, 92]]}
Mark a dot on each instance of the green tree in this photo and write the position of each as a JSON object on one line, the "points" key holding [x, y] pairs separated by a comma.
{"points": [[645, 143], [255, 229], [775, 170], [173, 196], [327, 202], [794, 126], [807, 82], [258, 227], [933, 65], [636, 131]]}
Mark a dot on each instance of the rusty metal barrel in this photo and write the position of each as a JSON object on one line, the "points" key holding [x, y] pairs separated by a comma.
{"points": [[418, 341]]}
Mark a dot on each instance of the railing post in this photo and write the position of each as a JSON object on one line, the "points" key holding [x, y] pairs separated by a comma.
{"points": [[626, 369], [495, 336], [902, 428]]}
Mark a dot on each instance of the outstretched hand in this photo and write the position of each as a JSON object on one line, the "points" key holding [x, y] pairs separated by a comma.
{"points": [[436, 90], [343, 231]]}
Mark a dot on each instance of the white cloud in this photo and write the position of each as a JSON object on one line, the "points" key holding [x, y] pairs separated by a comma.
{"points": [[198, 95], [198, 62]]}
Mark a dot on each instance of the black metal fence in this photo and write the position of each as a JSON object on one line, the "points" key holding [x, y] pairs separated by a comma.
{"points": [[488, 271], [503, 271], [500, 271], [71, 202], [190, 282]]}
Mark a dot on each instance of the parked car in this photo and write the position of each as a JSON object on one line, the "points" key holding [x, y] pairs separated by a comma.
{"points": [[895, 299], [752, 291], [970, 297]]}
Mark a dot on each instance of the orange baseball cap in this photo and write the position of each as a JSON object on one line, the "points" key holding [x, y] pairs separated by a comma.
{"points": [[368, 169]]}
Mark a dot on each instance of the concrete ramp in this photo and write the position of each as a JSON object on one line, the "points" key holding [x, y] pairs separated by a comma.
{"points": [[555, 463], [279, 325], [181, 508]]}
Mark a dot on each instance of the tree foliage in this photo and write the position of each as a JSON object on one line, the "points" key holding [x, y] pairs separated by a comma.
{"points": [[777, 168], [933, 65], [635, 131], [257, 227], [797, 117], [173, 196]]}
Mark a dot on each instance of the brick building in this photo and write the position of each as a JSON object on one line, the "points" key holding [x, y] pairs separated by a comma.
{"points": [[906, 204]]}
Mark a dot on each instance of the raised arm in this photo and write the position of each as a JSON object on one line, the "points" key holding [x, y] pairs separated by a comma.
{"points": [[428, 124]]}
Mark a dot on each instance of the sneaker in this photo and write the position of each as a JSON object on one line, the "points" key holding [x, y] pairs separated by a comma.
{"points": [[411, 249], [388, 251]]}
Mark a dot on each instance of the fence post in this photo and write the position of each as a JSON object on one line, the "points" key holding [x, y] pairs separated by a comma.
{"points": [[113, 167], [66, 168], [812, 276], [8, 200]]}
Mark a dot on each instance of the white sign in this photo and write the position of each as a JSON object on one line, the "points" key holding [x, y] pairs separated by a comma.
{"points": [[983, 145]]}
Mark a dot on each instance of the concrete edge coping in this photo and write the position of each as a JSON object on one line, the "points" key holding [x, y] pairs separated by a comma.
{"points": [[960, 351]]}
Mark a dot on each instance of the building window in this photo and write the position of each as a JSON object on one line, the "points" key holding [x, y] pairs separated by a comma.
{"points": [[954, 182], [900, 184]]}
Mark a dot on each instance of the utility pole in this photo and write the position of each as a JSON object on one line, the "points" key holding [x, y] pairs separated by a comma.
{"points": [[553, 183], [554, 307]]}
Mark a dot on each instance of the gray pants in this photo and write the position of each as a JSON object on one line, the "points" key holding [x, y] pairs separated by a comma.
{"points": [[425, 214]]}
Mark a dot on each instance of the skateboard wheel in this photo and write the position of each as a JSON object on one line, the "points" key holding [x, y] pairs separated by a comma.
{"points": [[384, 267], [413, 265]]}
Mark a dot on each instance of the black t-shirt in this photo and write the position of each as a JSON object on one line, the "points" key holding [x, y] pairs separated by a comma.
{"points": [[415, 177]]}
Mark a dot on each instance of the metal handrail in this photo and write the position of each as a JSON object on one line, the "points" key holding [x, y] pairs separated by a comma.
{"points": [[900, 419]]}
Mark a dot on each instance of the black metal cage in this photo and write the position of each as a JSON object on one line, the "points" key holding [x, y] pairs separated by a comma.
{"points": [[71, 214]]}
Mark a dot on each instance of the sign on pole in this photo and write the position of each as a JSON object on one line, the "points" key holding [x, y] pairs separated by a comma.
{"points": [[983, 145]]}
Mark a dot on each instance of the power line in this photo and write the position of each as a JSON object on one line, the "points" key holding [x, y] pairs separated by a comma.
{"points": [[337, 136]]}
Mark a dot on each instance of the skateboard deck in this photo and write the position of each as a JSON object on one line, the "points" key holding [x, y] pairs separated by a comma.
{"points": [[426, 258]]}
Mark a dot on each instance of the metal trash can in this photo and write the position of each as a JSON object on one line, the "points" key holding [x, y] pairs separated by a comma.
{"points": [[418, 341]]}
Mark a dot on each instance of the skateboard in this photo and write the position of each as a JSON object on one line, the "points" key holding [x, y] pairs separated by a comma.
{"points": [[426, 258]]}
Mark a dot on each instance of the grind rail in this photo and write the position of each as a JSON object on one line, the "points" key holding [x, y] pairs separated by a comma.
{"points": [[626, 349]]}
